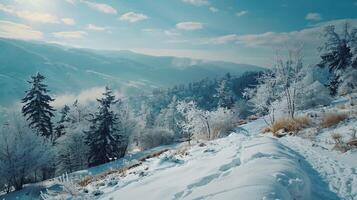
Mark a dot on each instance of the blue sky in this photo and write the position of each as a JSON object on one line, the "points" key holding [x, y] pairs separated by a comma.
{"points": [[242, 31]]}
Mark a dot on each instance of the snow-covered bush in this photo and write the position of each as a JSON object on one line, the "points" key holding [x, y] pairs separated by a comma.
{"points": [[348, 82], [22, 154], [195, 120], [210, 124], [222, 122], [243, 109], [313, 95], [263, 96], [72, 151], [154, 137]]}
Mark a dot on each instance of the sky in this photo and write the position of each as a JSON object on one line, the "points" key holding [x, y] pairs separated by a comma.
{"points": [[240, 31]]}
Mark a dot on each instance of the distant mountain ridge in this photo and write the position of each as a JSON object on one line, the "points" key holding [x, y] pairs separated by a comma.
{"points": [[73, 69]]}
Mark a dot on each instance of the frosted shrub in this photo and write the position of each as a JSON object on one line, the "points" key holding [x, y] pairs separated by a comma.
{"points": [[314, 95], [210, 124], [348, 82], [222, 121], [154, 137], [22, 154], [72, 151], [70, 190], [195, 120]]}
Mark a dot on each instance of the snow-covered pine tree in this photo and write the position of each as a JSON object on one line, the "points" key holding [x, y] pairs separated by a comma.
{"points": [[225, 95], [37, 107], [336, 53], [61, 124], [104, 137], [170, 117]]}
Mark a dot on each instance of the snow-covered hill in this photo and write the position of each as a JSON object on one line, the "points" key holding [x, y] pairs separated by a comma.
{"points": [[244, 165]]}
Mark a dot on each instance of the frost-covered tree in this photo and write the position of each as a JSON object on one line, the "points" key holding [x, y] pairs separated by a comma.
{"points": [[61, 125], [279, 87], [195, 121], [348, 81], [288, 74], [338, 52], [22, 154], [37, 107], [264, 96], [225, 95], [72, 151], [147, 116], [243, 109], [78, 112], [105, 137], [170, 118]]}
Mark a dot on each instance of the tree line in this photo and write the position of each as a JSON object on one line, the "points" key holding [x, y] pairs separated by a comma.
{"points": [[78, 136]]}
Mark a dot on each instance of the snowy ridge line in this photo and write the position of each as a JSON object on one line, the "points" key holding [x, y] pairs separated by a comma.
{"points": [[268, 170], [248, 167]]}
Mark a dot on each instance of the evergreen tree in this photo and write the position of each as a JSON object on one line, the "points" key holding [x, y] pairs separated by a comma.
{"points": [[37, 107], [104, 138], [225, 95], [60, 128], [337, 53]]}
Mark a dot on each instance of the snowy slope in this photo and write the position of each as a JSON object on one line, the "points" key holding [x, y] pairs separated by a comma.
{"points": [[244, 165]]}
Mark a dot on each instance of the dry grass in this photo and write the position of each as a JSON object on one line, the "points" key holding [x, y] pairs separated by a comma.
{"points": [[340, 145], [183, 151], [331, 119], [120, 171], [288, 125]]}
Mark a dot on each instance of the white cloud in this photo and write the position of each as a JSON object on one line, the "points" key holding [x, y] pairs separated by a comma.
{"points": [[189, 26], [150, 30], [223, 39], [313, 17], [179, 41], [101, 7], [196, 2], [213, 9], [241, 13], [71, 1], [68, 21], [69, 34], [18, 31], [309, 37], [93, 27], [133, 17], [171, 33], [30, 16], [39, 17]]}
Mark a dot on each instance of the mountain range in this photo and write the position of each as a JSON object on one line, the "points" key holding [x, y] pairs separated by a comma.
{"points": [[72, 70]]}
